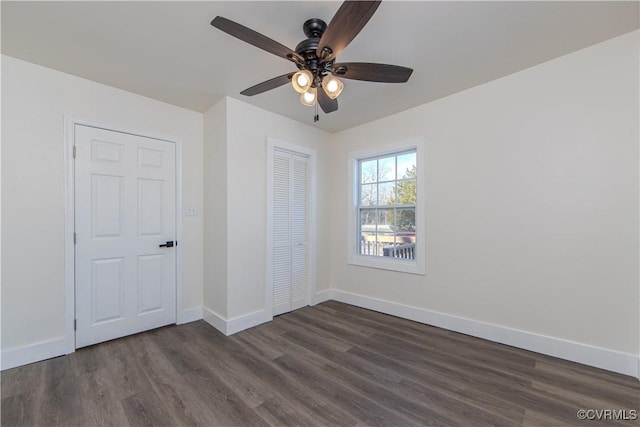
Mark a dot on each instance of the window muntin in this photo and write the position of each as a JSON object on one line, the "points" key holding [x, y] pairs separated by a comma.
{"points": [[387, 205]]}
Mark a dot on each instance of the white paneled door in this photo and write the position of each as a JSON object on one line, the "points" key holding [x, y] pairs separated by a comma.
{"points": [[125, 223], [290, 216]]}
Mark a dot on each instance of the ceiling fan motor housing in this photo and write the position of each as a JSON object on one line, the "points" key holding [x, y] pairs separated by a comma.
{"points": [[313, 28]]}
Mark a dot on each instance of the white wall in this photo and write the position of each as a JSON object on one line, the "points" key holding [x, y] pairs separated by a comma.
{"points": [[34, 102], [215, 210], [247, 129], [532, 201]]}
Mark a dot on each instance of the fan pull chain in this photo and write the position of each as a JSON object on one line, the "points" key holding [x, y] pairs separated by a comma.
{"points": [[316, 117]]}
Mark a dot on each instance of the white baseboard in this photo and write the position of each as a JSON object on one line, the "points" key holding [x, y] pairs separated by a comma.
{"points": [[31, 353], [236, 324], [322, 296], [215, 320], [247, 321], [191, 315], [624, 363]]}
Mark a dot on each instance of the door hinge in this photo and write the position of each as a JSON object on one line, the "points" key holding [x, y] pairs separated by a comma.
{"points": [[74, 151], [75, 325], [75, 238]]}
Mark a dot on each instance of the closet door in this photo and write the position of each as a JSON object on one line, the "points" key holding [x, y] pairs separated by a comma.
{"points": [[299, 231], [290, 231], [281, 232]]}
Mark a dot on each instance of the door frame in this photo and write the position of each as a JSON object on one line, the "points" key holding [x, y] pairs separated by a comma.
{"points": [[272, 144], [70, 123]]}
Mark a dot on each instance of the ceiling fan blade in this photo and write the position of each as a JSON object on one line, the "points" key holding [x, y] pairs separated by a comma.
{"points": [[370, 72], [327, 104], [253, 37], [268, 85], [345, 26]]}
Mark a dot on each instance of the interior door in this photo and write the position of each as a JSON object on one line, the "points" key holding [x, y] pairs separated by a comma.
{"points": [[290, 268], [125, 213], [299, 231]]}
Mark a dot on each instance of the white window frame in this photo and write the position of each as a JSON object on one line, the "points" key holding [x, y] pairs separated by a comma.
{"points": [[416, 266]]}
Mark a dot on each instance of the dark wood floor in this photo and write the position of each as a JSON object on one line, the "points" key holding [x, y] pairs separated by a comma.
{"points": [[328, 365]]}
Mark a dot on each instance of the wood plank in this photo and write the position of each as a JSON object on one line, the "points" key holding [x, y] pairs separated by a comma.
{"points": [[368, 411], [279, 412], [227, 406], [20, 409], [219, 359], [60, 400], [100, 399], [144, 409], [180, 399], [25, 379], [87, 359], [443, 382], [121, 369]]}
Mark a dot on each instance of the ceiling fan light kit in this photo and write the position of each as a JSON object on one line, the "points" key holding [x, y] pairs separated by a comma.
{"points": [[302, 81], [332, 86], [316, 55], [309, 97]]}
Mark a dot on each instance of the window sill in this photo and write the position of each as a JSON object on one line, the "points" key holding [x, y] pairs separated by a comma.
{"points": [[387, 263]]}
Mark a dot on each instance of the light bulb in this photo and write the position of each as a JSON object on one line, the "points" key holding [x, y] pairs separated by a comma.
{"points": [[302, 81], [332, 86], [309, 97]]}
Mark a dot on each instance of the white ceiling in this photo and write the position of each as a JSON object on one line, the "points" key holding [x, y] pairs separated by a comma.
{"points": [[168, 50]]}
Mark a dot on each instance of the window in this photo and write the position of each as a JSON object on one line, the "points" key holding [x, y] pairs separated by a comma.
{"points": [[387, 205], [386, 217]]}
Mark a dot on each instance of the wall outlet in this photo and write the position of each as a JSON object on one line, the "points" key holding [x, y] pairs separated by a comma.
{"points": [[191, 212]]}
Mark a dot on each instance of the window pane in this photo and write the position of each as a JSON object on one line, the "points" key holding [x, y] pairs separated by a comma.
{"points": [[405, 225], [407, 166], [368, 244], [385, 236], [387, 169], [386, 194], [385, 221], [368, 195], [385, 240], [368, 171], [406, 192]]}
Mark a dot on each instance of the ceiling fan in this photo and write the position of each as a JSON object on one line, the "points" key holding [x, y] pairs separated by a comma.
{"points": [[316, 55]]}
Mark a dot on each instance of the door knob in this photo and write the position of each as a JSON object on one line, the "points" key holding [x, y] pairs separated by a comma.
{"points": [[167, 245]]}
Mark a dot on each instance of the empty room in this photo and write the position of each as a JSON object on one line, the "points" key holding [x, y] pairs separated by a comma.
{"points": [[320, 213]]}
